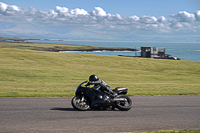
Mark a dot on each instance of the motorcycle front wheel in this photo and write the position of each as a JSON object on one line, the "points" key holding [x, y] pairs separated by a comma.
{"points": [[124, 105], [80, 104]]}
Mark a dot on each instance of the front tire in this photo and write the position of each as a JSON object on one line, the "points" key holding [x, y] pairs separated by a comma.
{"points": [[79, 104], [124, 105]]}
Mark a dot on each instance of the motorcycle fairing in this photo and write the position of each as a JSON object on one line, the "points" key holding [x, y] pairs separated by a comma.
{"points": [[93, 95]]}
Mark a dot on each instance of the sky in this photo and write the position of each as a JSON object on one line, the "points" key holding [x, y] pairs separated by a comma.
{"points": [[102, 20]]}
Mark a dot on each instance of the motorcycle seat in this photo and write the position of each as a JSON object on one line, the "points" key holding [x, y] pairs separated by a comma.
{"points": [[120, 90]]}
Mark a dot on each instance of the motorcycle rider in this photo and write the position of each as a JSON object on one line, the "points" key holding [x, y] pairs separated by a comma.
{"points": [[93, 79]]}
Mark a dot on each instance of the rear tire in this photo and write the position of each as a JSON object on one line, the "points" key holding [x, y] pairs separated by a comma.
{"points": [[124, 105], [80, 105]]}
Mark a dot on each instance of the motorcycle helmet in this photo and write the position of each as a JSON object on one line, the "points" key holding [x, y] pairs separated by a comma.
{"points": [[93, 78]]}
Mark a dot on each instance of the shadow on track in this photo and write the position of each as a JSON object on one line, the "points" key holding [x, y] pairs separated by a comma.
{"points": [[63, 109], [72, 109]]}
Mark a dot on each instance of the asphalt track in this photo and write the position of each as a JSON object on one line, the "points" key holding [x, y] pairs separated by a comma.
{"points": [[56, 115]]}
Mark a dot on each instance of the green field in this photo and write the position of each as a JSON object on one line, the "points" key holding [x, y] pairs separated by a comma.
{"points": [[52, 47], [29, 73], [174, 131]]}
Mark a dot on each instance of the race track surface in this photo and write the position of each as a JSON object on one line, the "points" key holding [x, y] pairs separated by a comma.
{"points": [[56, 115]]}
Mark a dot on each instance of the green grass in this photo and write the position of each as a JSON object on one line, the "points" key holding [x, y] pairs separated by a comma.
{"points": [[28, 73], [49, 46], [174, 131]]}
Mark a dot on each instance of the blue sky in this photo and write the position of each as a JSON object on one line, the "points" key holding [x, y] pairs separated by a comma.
{"points": [[121, 20]]}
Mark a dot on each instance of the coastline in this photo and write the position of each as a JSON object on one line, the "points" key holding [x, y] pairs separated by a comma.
{"points": [[186, 51], [93, 49], [38, 46]]}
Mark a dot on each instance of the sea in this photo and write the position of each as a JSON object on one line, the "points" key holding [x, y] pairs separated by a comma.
{"points": [[184, 51]]}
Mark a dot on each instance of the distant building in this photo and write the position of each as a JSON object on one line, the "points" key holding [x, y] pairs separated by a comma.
{"points": [[152, 52]]}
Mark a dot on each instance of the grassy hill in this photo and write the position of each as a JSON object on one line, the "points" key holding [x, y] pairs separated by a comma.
{"points": [[28, 73], [55, 47]]}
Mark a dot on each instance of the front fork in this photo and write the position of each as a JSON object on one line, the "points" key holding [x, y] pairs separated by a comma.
{"points": [[82, 98]]}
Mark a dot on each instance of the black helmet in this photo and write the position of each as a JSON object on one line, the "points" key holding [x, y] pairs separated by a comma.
{"points": [[93, 78]]}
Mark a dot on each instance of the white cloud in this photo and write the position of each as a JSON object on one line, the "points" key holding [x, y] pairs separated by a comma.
{"points": [[98, 11], [3, 7], [162, 19], [134, 18], [78, 11], [9, 9], [61, 10], [148, 19], [65, 12], [98, 20], [184, 16], [197, 15]]}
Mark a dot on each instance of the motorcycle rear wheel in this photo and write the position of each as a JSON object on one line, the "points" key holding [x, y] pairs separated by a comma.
{"points": [[80, 105], [124, 105]]}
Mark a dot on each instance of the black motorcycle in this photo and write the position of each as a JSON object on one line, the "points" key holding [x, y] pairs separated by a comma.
{"points": [[87, 97]]}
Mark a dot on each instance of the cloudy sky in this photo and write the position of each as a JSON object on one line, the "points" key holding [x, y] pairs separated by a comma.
{"points": [[109, 20]]}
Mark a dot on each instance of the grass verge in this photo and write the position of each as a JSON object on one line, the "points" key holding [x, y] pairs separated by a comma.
{"points": [[174, 131]]}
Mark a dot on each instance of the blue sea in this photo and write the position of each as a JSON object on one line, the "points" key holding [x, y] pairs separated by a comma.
{"points": [[184, 51]]}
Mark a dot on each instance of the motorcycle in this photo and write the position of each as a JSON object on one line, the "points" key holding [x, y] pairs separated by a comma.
{"points": [[87, 97]]}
